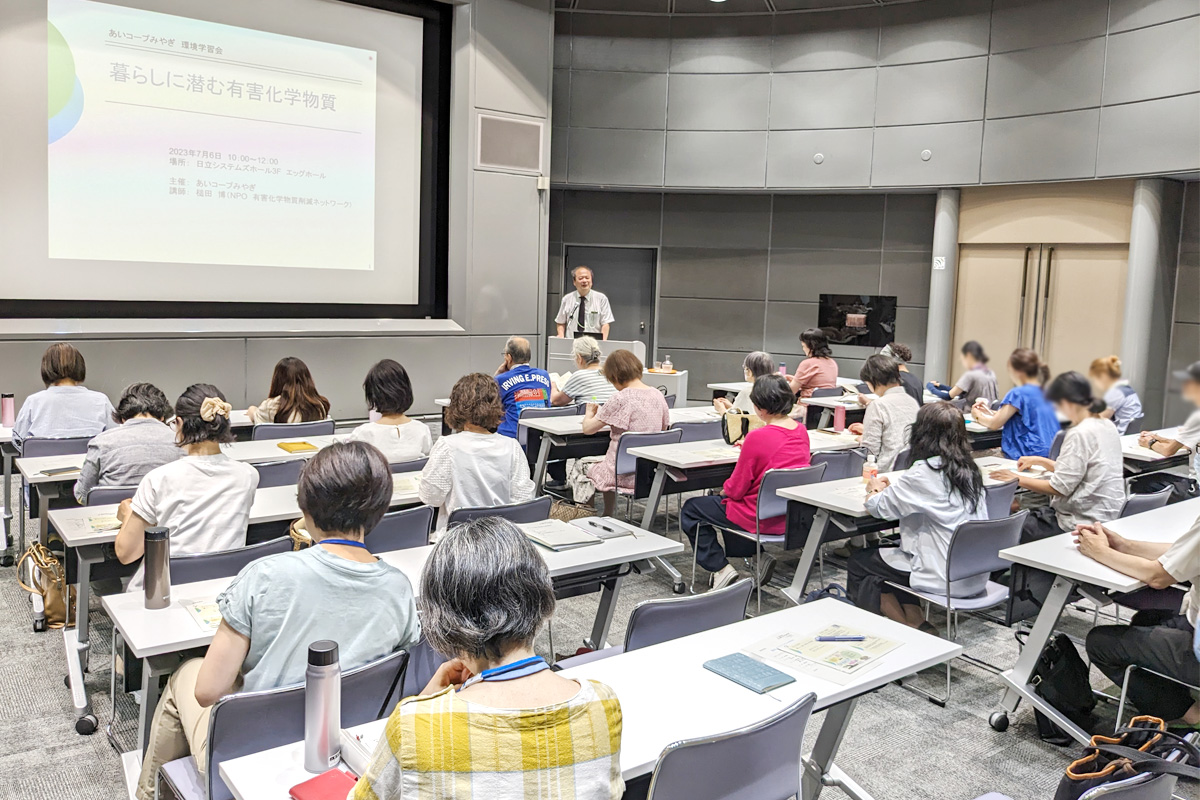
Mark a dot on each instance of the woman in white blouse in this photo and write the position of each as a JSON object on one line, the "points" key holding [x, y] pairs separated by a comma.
{"points": [[389, 393]]}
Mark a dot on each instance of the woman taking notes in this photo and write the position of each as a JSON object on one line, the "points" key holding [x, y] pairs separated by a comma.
{"points": [[1026, 421], [942, 490], [818, 370], [1085, 483], [754, 367], [389, 392], [142, 440], [1124, 406], [293, 396], [65, 408], [586, 384], [977, 381]]}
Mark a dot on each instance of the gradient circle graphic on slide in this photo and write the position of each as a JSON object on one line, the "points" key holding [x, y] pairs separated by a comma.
{"points": [[64, 95]]}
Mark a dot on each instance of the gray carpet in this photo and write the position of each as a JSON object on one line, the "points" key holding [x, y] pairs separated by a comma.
{"points": [[899, 745]]}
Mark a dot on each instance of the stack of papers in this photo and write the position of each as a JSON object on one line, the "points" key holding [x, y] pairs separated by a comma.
{"points": [[206, 615], [557, 535], [405, 484], [103, 522], [837, 662]]}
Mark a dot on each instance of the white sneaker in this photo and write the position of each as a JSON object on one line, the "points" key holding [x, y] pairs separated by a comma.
{"points": [[726, 576]]}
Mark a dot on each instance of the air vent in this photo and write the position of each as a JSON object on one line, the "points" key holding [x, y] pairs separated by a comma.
{"points": [[512, 145]]}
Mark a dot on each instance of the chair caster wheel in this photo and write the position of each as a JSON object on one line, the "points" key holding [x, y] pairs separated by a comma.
{"points": [[39, 625], [86, 725], [678, 588], [67, 681], [999, 721]]}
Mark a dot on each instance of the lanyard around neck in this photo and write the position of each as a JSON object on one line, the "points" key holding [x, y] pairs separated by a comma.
{"points": [[346, 542], [510, 672]]}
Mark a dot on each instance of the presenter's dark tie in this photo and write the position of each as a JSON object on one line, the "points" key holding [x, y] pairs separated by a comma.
{"points": [[580, 315]]}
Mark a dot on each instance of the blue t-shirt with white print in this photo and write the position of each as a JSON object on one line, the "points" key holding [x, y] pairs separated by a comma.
{"points": [[521, 387]]}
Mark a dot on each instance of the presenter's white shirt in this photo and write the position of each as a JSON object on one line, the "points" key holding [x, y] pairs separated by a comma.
{"points": [[597, 312]]}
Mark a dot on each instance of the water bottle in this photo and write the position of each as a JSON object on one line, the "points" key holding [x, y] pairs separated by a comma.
{"points": [[667, 365], [870, 469], [839, 418], [322, 707], [157, 565], [782, 368], [8, 410]]}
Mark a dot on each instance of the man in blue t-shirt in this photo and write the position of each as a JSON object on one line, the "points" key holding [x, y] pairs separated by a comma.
{"points": [[521, 386]]}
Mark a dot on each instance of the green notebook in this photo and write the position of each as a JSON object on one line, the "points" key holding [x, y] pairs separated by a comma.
{"points": [[751, 673]]}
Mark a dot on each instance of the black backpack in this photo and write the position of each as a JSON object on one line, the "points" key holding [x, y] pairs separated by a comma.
{"points": [[1061, 679]]}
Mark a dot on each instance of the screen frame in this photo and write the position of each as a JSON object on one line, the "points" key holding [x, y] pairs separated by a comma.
{"points": [[434, 229]]}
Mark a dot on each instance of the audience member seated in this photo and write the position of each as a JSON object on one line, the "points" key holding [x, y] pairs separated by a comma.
{"points": [[293, 396], [634, 407], [521, 386], [942, 490], [586, 384], [142, 440], [279, 604], [1085, 483], [1026, 421], [885, 427], [1155, 639], [389, 392], [911, 383], [780, 444], [977, 381], [1124, 405], [818, 370], [1186, 438], [66, 408], [475, 467], [204, 498], [494, 723], [754, 367]]}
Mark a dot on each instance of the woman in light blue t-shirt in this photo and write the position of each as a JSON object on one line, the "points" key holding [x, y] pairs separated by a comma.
{"points": [[1026, 421]]}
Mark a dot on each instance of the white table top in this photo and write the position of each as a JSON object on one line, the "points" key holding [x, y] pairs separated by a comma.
{"points": [[714, 452], [848, 495], [732, 386], [270, 505], [239, 418], [1060, 555], [573, 424], [171, 629], [263, 450], [5, 435], [443, 402], [1132, 450], [659, 712]]}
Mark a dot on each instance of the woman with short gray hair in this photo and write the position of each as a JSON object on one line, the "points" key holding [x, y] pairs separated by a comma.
{"points": [[585, 384], [485, 593], [754, 366]]}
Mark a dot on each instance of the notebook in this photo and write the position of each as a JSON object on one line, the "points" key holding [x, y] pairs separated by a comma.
{"points": [[297, 447], [751, 673], [331, 785], [604, 527], [60, 470], [558, 535]]}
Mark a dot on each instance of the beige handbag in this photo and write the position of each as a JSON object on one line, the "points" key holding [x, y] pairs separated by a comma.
{"points": [[300, 538], [48, 578], [736, 424]]}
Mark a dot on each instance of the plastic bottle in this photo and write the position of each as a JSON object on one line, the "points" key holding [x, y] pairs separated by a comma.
{"points": [[870, 469], [8, 410], [839, 418], [322, 707], [782, 368], [157, 564], [667, 365]]}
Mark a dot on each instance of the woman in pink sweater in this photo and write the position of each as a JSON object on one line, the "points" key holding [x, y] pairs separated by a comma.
{"points": [[819, 370], [781, 443]]}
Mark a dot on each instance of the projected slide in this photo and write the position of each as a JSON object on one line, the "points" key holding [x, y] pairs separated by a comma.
{"points": [[174, 140]]}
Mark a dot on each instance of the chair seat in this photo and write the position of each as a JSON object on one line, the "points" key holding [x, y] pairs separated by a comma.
{"points": [[588, 658], [184, 778], [993, 595], [765, 538]]}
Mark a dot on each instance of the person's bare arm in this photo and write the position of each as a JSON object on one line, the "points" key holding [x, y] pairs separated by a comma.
{"points": [[558, 398], [562, 330], [131, 539], [592, 423], [604, 331], [221, 666], [1135, 559], [1160, 444], [993, 420]]}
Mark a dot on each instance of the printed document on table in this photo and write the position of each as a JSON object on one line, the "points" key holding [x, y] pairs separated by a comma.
{"points": [[837, 662]]}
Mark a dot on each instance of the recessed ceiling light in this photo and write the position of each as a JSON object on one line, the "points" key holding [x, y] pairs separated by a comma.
{"points": [[717, 1]]}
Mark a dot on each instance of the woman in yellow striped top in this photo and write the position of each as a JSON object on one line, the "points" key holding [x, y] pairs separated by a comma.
{"points": [[494, 722]]}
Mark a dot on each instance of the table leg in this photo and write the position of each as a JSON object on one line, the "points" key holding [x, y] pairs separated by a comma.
{"points": [[153, 669], [6, 451], [812, 549], [819, 769], [76, 641], [826, 418], [604, 613], [656, 491], [539, 471], [109, 728], [1018, 678]]}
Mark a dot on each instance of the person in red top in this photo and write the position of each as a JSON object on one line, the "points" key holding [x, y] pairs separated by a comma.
{"points": [[818, 370], [781, 443]]}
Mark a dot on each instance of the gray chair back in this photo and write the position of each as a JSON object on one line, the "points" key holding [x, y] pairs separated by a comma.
{"points": [[699, 431], [241, 724], [400, 530], [999, 498], [534, 510], [37, 446], [760, 761], [107, 495], [670, 398], [279, 473], [656, 621], [1135, 425], [1137, 503], [862, 388], [832, 391], [423, 662], [531, 413], [416, 465], [291, 430], [903, 459], [841, 464], [770, 504], [626, 463], [1056, 445], [223, 563], [975, 546]]}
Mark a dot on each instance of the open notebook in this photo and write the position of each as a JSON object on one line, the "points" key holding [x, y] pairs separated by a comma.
{"points": [[558, 535]]}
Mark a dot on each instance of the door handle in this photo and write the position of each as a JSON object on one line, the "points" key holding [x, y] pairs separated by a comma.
{"points": [[642, 326], [1046, 295], [1036, 297], [1024, 285]]}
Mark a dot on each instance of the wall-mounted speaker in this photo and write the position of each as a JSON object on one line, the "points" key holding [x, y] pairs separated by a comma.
{"points": [[510, 144]]}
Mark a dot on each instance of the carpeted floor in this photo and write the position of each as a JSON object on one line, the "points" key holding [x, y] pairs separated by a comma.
{"points": [[899, 745]]}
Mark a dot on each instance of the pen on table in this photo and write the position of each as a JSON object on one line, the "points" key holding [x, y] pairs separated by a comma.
{"points": [[841, 638]]}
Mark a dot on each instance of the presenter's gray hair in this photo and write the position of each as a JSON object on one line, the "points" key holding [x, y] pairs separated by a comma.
{"points": [[484, 591], [575, 271], [759, 364], [588, 350]]}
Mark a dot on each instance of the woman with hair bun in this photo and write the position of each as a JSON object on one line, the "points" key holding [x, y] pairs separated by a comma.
{"points": [[1124, 405], [1085, 483], [977, 380], [204, 498], [1026, 421]]}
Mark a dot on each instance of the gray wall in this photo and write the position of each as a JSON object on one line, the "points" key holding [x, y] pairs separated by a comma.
{"points": [[995, 90], [721, 256], [1185, 338]]}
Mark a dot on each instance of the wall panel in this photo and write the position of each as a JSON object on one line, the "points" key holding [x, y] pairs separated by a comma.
{"points": [[1054, 78], [941, 91], [1044, 147], [618, 100], [716, 159], [811, 100]]}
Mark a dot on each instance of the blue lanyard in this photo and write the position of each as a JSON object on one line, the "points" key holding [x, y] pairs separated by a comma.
{"points": [[347, 542], [510, 672]]}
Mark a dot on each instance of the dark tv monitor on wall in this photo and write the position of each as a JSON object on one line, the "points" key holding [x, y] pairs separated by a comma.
{"points": [[865, 320]]}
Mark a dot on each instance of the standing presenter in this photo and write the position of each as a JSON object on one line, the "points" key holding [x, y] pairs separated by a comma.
{"points": [[584, 312]]}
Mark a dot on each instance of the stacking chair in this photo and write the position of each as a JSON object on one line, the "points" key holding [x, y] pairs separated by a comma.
{"points": [[974, 550], [423, 662], [903, 459], [698, 431], [533, 412], [1135, 425], [249, 722], [814, 413], [1132, 668], [1056, 445], [1138, 503], [223, 563], [291, 430], [534, 510], [999, 498], [840, 464], [768, 506], [35, 447], [415, 465], [400, 530], [279, 473], [627, 463], [762, 761], [107, 495]]}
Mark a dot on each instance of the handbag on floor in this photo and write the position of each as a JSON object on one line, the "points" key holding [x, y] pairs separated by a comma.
{"points": [[1140, 748], [834, 590], [1061, 679], [48, 579], [736, 424]]}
